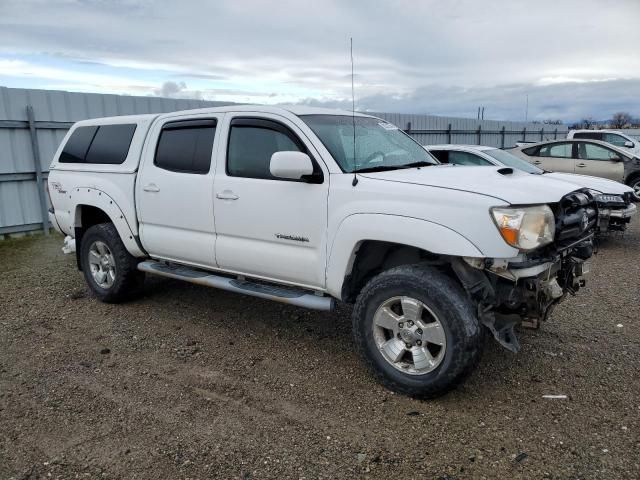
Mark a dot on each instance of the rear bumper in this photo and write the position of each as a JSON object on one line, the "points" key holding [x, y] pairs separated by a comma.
{"points": [[54, 222]]}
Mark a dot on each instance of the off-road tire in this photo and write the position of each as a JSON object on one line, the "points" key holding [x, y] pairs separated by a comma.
{"points": [[128, 279], [447, 299]]}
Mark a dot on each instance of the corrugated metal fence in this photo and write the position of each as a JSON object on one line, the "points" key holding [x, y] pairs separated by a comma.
{"points": [[431, 130], [33, 123]]}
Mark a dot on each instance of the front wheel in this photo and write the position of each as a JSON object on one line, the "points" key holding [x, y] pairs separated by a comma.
{"points": [[109, 269], [417, 331]]}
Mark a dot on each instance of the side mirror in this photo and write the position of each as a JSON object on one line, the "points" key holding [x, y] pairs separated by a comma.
{"points": [[614, 158], [290, 165], [628, 144]]}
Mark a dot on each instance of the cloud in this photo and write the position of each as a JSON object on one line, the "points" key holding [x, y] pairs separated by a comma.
{"points": [[405, 51]]}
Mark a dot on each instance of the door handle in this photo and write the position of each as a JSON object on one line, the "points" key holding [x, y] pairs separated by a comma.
{"points": [[152, 187], [537, 162], [580, 165], [227, 195]]}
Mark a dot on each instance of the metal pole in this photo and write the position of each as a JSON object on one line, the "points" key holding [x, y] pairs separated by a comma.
{"points": [[502, 137], [555, 134], [542, 134], [449, 134], [479, 134], [38, 168], [524, 134]]}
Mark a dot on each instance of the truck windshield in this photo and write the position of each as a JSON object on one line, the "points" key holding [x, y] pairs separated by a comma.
{"points": [[379, 145], [511, 160]]}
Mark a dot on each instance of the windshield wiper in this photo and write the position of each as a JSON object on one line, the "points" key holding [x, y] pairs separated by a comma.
{"points": [[379, 168], [421, 163], [384, 168]]}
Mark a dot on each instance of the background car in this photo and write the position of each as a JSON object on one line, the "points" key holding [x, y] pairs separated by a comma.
{"points": [[614, 199], [614, 137], [588, 157]]}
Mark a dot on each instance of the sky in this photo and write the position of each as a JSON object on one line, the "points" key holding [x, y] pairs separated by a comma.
{"points": [[572, 59]]}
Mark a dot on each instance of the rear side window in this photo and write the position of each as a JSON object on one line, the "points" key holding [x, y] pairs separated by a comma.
{"points": [[251, 144], [186, 146], [76, 148], [591, 135], [104, 144]]}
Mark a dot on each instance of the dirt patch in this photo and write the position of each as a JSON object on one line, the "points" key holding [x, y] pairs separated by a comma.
{"points": [[190, 382]]}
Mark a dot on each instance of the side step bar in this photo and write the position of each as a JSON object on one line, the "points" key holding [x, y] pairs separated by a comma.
{"points": [[290, 295]]}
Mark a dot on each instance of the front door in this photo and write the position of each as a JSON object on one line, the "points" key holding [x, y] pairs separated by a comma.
{"points": [[174, 191], [555, 157], [599, 161], [269, 227]]}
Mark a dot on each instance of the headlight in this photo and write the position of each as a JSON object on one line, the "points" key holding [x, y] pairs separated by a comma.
{"points": [[525, 228]]}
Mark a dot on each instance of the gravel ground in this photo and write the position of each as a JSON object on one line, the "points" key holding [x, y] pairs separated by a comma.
{"points": [[189, 382]]}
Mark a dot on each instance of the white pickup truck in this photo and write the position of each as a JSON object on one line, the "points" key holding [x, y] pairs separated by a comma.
{"points": [[309, 206]]}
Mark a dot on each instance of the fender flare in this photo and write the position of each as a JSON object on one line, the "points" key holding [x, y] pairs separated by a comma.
{"points": [[410, 231], [94, 197]]}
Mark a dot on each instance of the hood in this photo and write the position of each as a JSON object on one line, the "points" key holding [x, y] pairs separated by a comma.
{"points": [[602, 185], [517, 187]]}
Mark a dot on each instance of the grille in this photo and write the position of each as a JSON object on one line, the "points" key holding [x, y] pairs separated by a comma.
{"points": [[576, 218]]}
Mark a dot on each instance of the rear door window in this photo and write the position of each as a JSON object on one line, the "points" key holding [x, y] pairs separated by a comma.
{"points": [[186, 146], [558, 150]]}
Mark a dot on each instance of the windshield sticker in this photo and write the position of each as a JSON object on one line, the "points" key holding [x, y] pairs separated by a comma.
{"points": [[387, 126]]}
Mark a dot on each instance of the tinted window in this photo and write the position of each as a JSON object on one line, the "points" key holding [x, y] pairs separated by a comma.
{"points": [[591, 135], [186, 146], [251, 146], [591, 151], [441, 155], [466, 158], [562, 150], [75, 150], [111, 144]]}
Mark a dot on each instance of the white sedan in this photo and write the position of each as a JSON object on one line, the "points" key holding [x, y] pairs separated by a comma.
{"points": [[614, 199]]}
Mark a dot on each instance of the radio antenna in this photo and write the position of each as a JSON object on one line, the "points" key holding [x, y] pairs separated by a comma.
{"points": [[353, 121]]}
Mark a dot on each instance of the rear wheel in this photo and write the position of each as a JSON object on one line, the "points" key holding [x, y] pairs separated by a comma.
{"points": [[417, 331], [109, 269]]}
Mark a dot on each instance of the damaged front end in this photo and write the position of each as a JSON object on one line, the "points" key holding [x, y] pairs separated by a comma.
{"points": [[523, 290]]}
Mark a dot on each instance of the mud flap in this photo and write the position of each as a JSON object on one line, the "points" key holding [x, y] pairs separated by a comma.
{"points": [[502, 328]]}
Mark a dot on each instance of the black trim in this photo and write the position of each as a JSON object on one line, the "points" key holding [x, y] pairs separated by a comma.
{"points": [[209, 122], [317, 177]]}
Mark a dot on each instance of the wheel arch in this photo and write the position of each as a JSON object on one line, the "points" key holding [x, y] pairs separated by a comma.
{"points": [[93, 206], [367, 244]]}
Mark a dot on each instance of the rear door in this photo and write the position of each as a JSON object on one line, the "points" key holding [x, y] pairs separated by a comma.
{"points": [[174, 191], [269, 227], [599, 161], [556, 157]]}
